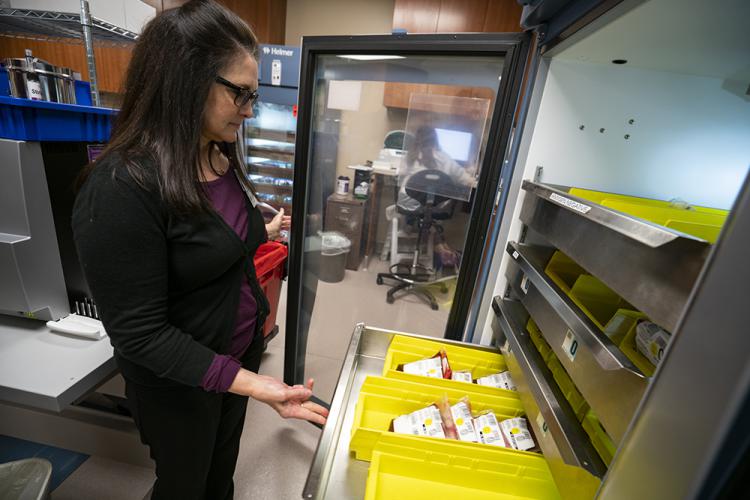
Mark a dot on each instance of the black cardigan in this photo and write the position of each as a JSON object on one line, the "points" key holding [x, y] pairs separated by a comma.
{"points": [[166, 286]]}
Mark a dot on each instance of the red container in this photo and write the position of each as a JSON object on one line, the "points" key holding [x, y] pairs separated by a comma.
{"points": [[269, 267]]}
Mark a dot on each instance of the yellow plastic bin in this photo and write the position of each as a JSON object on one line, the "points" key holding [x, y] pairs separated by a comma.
{"points": [[702, 222], [619, 325], [538, 340], [569, 389], [405, 349], [595, 299], [429, 469], [383, 399], [603, 444]]}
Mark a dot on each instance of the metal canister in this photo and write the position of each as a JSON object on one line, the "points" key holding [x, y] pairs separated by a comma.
{"points": [[36, 79]]}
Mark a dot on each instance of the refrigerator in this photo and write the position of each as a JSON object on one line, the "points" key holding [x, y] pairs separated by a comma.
{"points": [[586, 134], [269, 135]]}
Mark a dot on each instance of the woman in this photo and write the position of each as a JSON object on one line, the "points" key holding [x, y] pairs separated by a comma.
{"points": [[424, 152], [166, 228]]}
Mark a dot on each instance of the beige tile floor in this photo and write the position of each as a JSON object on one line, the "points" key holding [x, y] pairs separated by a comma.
{"points": [[275, 454]]}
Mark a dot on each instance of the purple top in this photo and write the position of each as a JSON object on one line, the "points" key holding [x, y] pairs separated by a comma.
{"points": [[228, 199]]}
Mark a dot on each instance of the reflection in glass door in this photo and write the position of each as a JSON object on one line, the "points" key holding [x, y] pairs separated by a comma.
{"points": [[392, 149]]}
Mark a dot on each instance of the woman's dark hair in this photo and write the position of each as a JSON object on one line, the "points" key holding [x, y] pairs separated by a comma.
{"points": [[175, 62]]}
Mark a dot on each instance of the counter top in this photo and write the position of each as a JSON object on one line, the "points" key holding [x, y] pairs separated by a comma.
{"points": [[49, 371]]}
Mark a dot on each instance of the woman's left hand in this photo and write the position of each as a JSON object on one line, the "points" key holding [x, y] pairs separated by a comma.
{"points": [[279, 223]]}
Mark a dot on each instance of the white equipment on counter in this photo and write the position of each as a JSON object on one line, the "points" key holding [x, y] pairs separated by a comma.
{"points": [[80, 326]]}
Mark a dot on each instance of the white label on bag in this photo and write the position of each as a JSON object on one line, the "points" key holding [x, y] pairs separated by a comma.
{"points": [[517, 433], [500, 380], [464, 424], [431, 367], [462, 376], [424, 422], [570, 345], [488, 430], [578, 207]]}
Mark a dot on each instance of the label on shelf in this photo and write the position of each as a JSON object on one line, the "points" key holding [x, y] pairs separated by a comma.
{"points": [[541, 424], [515, 255], [572, 204], [525, 284], [570, 345]]}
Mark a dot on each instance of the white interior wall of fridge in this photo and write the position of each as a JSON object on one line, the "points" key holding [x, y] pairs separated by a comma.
{"points": [[690, 124]]}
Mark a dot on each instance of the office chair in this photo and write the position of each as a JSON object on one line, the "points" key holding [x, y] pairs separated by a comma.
{"points": [[432, 207]]}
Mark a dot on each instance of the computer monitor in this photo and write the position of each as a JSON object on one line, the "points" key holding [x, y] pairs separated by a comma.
{"points": [[455, 143]]}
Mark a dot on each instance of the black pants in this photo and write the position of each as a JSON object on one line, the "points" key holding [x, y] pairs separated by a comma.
{"points": [[193, 435]]}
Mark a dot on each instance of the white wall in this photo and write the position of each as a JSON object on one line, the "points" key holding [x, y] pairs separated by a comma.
{"points": [[129, 14], [689, 139]]}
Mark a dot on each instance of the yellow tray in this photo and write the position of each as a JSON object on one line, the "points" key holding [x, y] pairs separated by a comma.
{"points": [[569, 389], [429, 469], [538, 340], [702, 222], [602, 442], [407, 349], [383, 399]]}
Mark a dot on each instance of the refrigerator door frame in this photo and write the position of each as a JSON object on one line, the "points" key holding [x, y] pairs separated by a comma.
{"points": [[514, 47]]}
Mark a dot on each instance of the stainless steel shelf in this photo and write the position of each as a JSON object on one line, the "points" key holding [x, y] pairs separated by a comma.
{"points": [[48, 25], [607, 379], [560, 435], [268, 145], [651, 266], [257, 168]]}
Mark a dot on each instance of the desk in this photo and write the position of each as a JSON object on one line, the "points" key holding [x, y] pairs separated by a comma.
{"points": [[46, 370]]}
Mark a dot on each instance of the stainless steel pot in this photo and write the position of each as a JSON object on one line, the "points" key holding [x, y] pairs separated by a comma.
{"points": [[55, 83]]}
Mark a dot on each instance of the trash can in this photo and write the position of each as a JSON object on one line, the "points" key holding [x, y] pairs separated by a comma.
{"points": [[25, 479], [333, 253]]}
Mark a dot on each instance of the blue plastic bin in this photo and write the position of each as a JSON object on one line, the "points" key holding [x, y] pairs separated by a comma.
{"points": [[27, 120]]}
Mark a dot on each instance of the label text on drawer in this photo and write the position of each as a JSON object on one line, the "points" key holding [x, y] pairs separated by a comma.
{"points": [[525, 284], [578, 207], [570, 345]]}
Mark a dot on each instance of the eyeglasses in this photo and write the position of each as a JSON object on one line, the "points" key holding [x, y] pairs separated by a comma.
{"points": [[243, 95]]}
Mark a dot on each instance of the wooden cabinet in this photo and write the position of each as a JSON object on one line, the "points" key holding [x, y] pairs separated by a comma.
{"points": [[449, 16]]}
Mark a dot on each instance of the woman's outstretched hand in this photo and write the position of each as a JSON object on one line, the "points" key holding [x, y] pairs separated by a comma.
{"points": [[279, 223], [288, 401]]}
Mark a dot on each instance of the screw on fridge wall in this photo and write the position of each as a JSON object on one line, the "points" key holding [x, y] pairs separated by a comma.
{"points": [[601, 130], [631, 121], [581, 127], [627, 136]]}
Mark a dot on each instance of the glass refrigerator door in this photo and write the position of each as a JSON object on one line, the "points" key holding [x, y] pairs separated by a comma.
{"points": [[399, 149]]}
